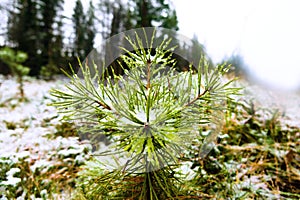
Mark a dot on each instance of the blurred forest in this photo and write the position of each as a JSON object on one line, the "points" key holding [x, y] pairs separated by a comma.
{"points": [[37, 27], [42, 30]]}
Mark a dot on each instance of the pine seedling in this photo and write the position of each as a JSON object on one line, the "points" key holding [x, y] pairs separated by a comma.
{"points": [[14, 60], [151, 114]]}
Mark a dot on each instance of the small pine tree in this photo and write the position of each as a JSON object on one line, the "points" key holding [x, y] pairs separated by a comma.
{"points": [[14, 60], [151, 114]]}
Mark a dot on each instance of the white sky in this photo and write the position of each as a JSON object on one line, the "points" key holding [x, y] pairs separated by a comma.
{"points": [[265, 32]]}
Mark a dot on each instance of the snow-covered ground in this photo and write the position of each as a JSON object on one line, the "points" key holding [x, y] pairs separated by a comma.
{"points": [[25, 126], [286, 102], [34, 119]]}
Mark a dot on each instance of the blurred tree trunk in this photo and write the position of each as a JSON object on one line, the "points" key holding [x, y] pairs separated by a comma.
{"points": [[79, 22], [50, 33], [143, 10], [84, 27], [23, 31]]}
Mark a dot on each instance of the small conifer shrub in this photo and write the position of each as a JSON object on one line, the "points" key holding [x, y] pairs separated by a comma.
{"points": [[14, 60], [151, 114]]}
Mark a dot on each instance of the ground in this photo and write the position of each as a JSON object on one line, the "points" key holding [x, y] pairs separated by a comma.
{"points": [[28, 129]]}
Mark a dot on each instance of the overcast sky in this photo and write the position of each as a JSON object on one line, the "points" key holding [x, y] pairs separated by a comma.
{"points": [[265, 32]]}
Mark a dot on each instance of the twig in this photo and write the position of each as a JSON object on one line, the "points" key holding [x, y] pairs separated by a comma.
{"points": [[195, 99], [103, 105]]}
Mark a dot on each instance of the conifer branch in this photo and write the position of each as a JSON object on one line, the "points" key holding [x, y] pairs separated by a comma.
{"points": [[196, 98], [103, 105]]}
